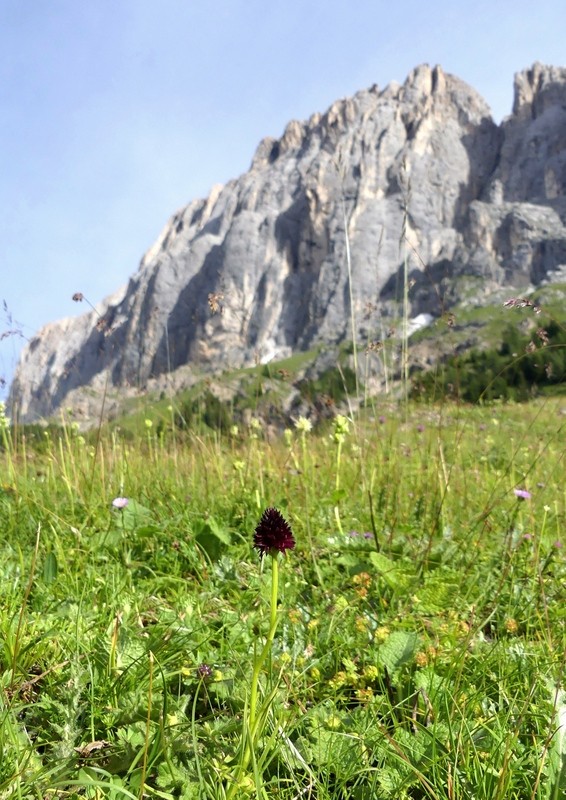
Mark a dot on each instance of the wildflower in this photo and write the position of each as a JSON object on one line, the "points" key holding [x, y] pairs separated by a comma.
{"points": [[120, 502], [362, 579], [382, 633], [511, 625], [341, 428], [522, 302], [204, 671], [273, 534], [338, 680], [522, 494], [420, 428], [148, 424], [364, 535], [4, 420], [382, 420], [341, 603], [303, 424], [421, 659]]}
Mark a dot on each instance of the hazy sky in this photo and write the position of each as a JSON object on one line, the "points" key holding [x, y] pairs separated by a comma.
{"points": [[115, 113]]}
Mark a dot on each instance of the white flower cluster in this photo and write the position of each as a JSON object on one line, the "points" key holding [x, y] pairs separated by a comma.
{"points": [[4, 420]]}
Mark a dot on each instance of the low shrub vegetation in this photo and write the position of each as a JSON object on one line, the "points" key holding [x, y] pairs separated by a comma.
{"points": [[522, 367]]}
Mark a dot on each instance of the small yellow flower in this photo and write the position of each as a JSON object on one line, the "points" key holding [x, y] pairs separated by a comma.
{"points": [[511, 625], [315, 673], [148, 424], [382, 633], [341, 603], [333, 722], [362, 579], [364, 695], [370, 672], [361, 624], [313, 623], [338, 680], [421, 659], [295, 616]]}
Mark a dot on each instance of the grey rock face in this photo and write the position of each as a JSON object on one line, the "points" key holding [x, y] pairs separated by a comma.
{"points": [[260, 267]]}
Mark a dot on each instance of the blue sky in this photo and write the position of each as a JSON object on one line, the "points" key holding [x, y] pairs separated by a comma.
{"points": [[115, 113]]}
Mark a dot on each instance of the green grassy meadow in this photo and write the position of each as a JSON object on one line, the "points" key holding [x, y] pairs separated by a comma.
{"points": [[417, 644]]}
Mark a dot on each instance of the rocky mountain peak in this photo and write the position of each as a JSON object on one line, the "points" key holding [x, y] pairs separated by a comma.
{"points": [[537, 89], [259, 268]]}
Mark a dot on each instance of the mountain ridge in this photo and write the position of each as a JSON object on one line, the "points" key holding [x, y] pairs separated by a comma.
{"points": [[259, 268]]}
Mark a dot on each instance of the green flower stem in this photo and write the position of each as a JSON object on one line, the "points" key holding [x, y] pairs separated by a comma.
{"points": [[337, 484], [259, 662], [251, 729]]}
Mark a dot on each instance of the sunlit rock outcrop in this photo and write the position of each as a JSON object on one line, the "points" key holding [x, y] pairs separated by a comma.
{"points": [[260, 268]]}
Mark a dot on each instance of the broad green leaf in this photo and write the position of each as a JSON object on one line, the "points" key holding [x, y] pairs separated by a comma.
{"points": [[50, 568], [213, 539], [398, 649]]}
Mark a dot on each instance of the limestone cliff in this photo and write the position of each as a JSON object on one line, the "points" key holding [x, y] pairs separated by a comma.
{"points": [[260, 267]]}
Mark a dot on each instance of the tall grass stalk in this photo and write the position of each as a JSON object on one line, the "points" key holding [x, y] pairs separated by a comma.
{"points": [[353, 325]]}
